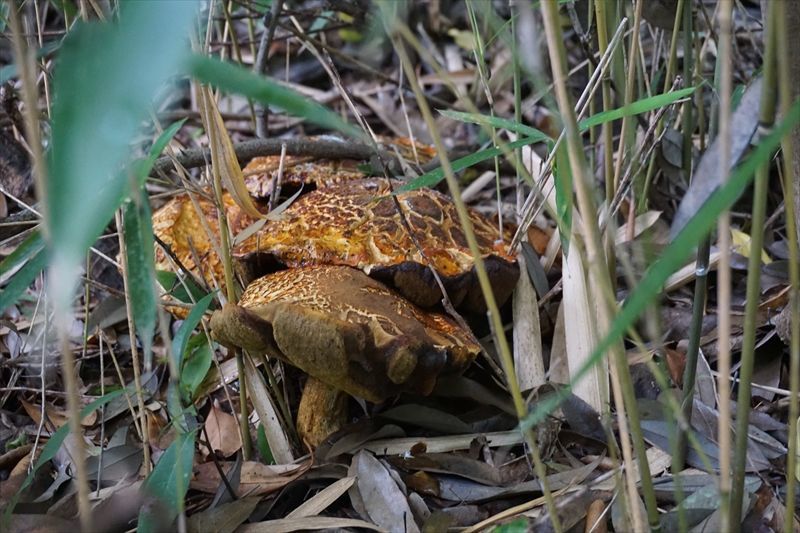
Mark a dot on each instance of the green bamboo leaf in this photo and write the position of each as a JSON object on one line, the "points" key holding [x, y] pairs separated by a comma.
{"points": [[28, 259], [430, 179], [105, 79], [563, 183], [641, 106], [673, 257], [170, 282], [232, 78], [138, 235], [497, 122], [143, 166], [181, 338], [28, 248], [168, 482], [196, 362]]}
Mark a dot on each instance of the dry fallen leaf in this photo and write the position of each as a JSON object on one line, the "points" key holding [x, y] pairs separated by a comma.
{"points": [[741, 245], [255, 478], [223, 432], [378, 495], [55, 415]]}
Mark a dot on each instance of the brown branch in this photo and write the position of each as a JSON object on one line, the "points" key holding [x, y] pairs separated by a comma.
{"points": [[247, 150]]}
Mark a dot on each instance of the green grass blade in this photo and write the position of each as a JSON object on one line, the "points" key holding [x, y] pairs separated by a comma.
{"points": [[673, 257], [144, 166], [104, 82], [233, 78]]}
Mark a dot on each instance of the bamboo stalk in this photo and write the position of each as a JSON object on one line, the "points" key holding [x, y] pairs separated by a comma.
{"points": [[767, 117], [620, 375], [788, 147], [724, 270]]}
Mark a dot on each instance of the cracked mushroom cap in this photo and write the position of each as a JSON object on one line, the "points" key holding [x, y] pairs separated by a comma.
{"points": [[358, 224], [347, 330], [299, 170], [192, 233]]}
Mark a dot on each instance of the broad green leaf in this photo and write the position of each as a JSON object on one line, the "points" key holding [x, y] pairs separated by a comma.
{"points": [[138, 234], [51, 448], [673, 257], [105, 79], [181, 338], [168, 482], [232, 78]]}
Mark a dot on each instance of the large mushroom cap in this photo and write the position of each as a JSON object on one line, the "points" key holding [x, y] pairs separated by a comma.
{"points": [[358, 224], [347, 330]]}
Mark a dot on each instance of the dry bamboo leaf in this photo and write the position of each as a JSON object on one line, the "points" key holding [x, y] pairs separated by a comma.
{"points": [[56, 416], [596, 518], [527, 334], [559, 368], [224, 518], [287, 525], [640, 225], [687, 273], [323, 499], [262, 402], [229, 170], [581, 336]]}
